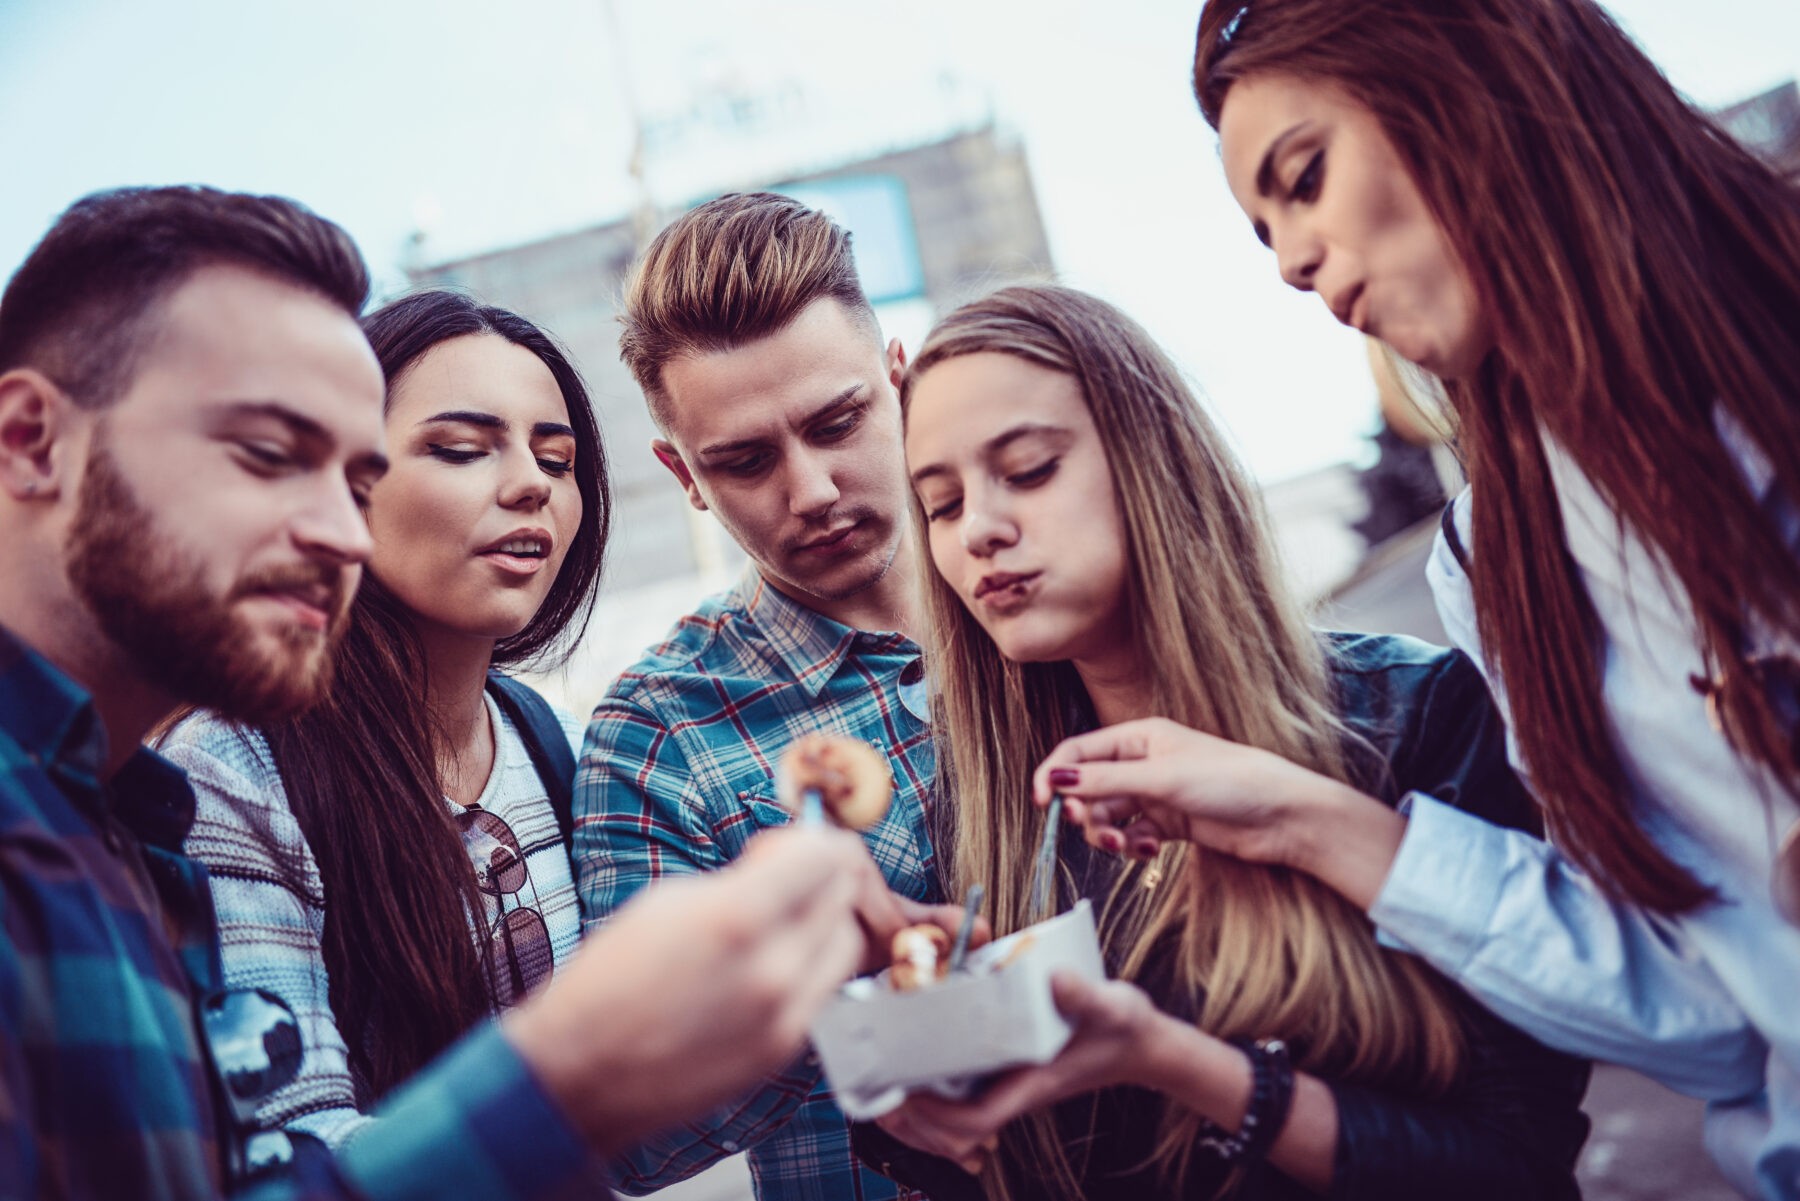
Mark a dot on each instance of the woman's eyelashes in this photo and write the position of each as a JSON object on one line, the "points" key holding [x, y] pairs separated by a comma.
{"points": [[453, 454], [943, 508], [553, 464], [1306, 185]]}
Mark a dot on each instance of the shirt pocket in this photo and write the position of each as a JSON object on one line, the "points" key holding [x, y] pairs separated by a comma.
{"points": [[752, 809]]}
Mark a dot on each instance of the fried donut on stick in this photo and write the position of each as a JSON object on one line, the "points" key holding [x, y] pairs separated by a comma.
{"points": [[921, 956], [849, 778]]}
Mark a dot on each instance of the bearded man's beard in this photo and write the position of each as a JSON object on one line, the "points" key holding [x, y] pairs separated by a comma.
{"points": [[151, 601]]}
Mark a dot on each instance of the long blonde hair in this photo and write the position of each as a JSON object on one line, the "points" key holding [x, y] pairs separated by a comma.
{"points": [[1259, 951]]}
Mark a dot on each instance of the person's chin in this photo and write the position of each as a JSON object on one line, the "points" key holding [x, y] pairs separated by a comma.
{"points": [[269, 677], [486, 613], [1461, 362], [856, 570], [297, 651], [1019, 642], [1448, 356]]}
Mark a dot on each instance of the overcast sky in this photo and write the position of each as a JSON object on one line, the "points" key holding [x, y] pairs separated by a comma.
{"points": [[487, 125]]}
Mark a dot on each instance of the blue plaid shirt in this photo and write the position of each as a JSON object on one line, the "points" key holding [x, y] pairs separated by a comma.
{"points": [[107, 937], [677, 773]]}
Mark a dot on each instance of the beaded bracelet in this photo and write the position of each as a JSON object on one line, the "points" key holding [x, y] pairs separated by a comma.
{"points": [[1271, 1096]]}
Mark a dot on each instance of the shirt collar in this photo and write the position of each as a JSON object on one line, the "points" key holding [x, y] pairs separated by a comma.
{"points": [[52, 718], [808, 643], [48, 714], [154, 799]]}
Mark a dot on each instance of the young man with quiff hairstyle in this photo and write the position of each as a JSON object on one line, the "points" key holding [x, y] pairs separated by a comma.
{"points": [[763, 365]]}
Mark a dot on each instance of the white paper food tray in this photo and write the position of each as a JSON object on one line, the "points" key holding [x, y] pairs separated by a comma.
{"points": [[877, 1045]]}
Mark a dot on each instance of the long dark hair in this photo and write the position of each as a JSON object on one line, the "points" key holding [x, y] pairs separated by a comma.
{"points": [[1642, 272], [360, 769]]}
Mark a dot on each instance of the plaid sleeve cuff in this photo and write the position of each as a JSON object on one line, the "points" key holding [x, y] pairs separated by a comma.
{"points": [[476, 1124]]}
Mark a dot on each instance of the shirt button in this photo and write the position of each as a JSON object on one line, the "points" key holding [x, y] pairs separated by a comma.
{"points": [[729, 1145]]}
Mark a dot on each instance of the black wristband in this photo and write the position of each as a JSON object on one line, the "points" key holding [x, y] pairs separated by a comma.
{"points": [[1271, 1097]]}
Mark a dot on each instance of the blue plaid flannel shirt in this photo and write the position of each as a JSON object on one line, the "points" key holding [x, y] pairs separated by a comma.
{"points": [[107, 937], [677, 772]]}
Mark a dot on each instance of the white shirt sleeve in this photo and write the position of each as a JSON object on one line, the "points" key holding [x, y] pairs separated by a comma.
{"points": [[1531, 935]]}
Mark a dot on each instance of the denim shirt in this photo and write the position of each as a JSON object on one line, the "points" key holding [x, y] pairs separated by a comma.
{"points": [[1705, 1002], [1511, 1128]]}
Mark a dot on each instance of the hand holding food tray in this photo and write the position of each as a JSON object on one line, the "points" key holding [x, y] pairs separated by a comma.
{"points": [[879, 1043], [920, 1024]]}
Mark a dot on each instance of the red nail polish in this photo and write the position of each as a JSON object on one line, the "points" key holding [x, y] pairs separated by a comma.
{"points": [[1064, 777]]}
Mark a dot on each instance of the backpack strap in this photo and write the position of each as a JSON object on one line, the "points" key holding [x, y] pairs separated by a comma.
{"points": [[542, 734], [1452, 538]]}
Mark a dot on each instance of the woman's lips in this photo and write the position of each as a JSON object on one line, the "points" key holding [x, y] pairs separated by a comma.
{"points": [[519, 565], [1007, 592], [521, 553]]}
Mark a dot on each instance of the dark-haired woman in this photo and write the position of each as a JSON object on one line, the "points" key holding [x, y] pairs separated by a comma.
{"points": [[392, 863], [1510, 195]]}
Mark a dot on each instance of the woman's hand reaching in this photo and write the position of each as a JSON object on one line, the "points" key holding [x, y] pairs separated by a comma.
{"points": [[1134, 785]]}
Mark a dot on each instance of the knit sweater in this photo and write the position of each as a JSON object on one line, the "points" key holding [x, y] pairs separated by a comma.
{"points": [[271, 902]]}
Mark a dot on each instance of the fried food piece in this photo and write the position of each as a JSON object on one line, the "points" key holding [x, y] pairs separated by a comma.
{"points": [[852, 778], [921, 957]]}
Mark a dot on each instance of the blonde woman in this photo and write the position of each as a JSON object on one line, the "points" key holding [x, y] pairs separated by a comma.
{"points": [[1100, 558]]}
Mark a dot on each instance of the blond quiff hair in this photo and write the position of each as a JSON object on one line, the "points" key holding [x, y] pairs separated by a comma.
{"points": [[730, 272]]}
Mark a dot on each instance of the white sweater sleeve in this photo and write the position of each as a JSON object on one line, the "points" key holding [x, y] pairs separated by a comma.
{"points": [[271, 912], [1531, 935]]}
